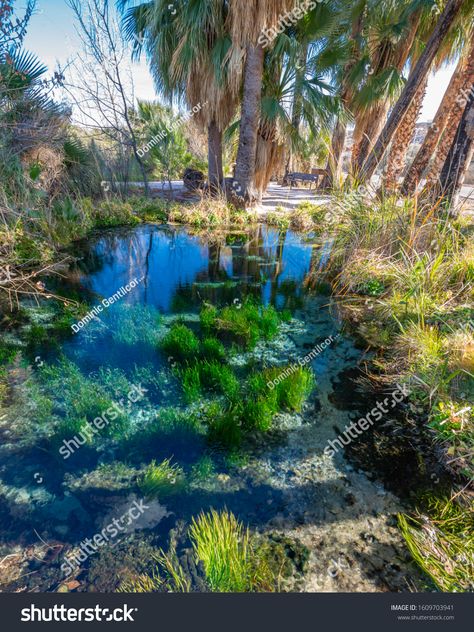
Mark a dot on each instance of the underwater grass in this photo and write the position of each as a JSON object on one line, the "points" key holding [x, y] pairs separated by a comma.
{"points": [[181, 343], [161, 479], [243, 323], [226, 551]]}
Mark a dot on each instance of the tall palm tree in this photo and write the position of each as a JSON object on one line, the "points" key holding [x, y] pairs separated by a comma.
{"points": [[392, 29], [193, 62], [297, 101], [455, 46], [441, 133], [417, 76], [459, 157], [349, 67], [247, 19]]}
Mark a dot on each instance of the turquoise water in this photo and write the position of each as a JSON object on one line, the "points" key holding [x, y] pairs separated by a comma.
{"points": [[59, 485]]}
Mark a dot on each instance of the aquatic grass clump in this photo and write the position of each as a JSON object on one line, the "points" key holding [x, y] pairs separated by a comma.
{"points": [[213, 349], [181, 343], [219, 378], [203, 469], [227, 553], [161, 479], [243, 324], [173, 422], [442, 543], [224, 425], [191, 383], [211, 376], [284, 388], [80, 397], [168, 575]]}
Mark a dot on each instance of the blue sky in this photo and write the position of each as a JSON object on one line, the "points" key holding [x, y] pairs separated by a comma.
{"points": [[52, 37]]}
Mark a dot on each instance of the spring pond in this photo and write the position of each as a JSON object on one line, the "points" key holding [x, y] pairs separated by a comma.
{"points": [[333, 516]]}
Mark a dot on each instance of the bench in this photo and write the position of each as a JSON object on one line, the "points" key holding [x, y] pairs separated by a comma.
{"points": [[313, 177]]}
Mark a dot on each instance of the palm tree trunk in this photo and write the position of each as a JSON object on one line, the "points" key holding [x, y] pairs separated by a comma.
{"points": [[402, 140], [418, 75], [246, 155], [447, 114], [334, 163], [459, 157], [214, 143], [374, 125]]}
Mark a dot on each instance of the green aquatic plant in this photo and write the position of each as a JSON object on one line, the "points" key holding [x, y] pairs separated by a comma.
{"points": [[293, 385], [242, 323], [219, 378], [212, 349], [227, 553], [168, 575], [203, 469], [133, 324], [77, 396], [161, 479], [273, 390], [191, 383], [208, 317], [172, 421], [180, 343], [224, 426]]}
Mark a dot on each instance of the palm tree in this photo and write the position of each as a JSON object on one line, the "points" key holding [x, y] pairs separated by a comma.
{"points": [[298, 104], [348, 76], [391, 36], [402, 140], [460, 155], [444, 125], [417, 76], [247, 19], [192, 61]]}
